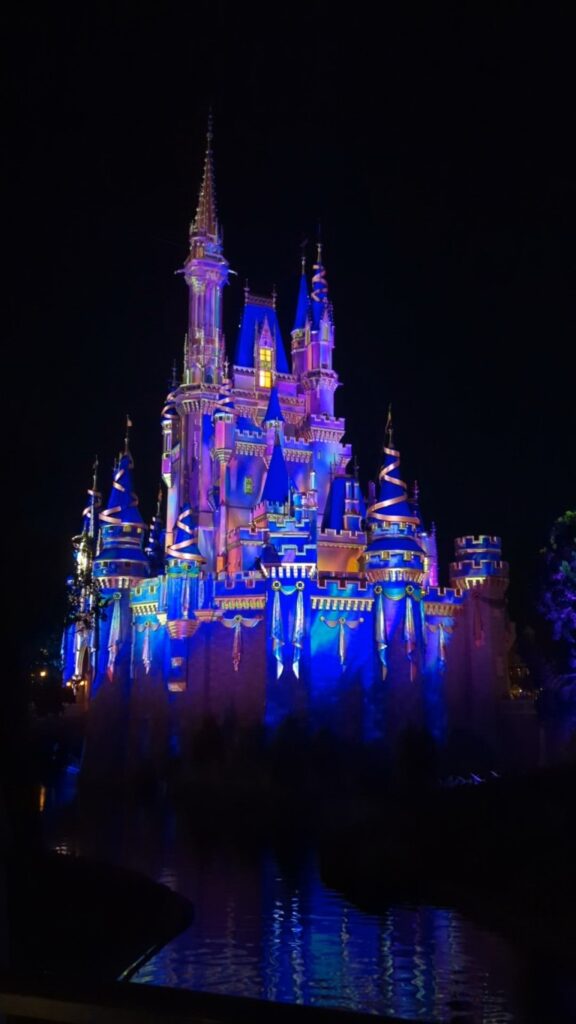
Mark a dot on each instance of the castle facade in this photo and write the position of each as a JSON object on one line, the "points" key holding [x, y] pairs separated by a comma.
{"points": [[274, 587]]}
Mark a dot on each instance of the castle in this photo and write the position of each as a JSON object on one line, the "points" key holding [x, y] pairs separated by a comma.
{"points": [[275, 588]]}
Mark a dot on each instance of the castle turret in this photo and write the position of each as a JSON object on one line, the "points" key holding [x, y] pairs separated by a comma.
{"points": [[393, 552], [395, 562], [319, 379], [478, 560], [206, 273], [276, 490], [121, 560]]}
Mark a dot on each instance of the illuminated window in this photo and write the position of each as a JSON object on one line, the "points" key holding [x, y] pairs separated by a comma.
{"points": [[265, 371], [248, 485]]}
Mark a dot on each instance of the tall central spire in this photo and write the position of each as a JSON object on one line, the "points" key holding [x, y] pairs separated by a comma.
{"points": [[205, 224], [205, 273]]}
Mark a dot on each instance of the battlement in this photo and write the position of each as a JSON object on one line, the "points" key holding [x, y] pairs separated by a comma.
{"points": [[482, 542], [354, 536]]}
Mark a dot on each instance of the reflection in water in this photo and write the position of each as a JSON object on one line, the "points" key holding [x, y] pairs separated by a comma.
{"points": [[280, 935], [266, 926]]}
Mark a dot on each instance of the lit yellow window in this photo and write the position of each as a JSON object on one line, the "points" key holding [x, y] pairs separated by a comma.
{"points": [[265, 371], [248, 485]]}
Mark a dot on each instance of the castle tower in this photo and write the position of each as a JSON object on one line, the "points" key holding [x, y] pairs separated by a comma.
{"points": [[205, 273], [395, 563], [120, 565], [319, 379]]}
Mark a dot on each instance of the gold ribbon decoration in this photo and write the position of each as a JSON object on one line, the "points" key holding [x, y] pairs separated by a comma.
{"points": [[109, 515], [385, 476], [236, 623]]}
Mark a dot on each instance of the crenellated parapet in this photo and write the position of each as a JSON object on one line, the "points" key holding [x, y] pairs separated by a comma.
{"points": [[478, 560]]}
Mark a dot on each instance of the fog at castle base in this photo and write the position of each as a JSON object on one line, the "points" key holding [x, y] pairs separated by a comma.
{"points": [[273, 588]]}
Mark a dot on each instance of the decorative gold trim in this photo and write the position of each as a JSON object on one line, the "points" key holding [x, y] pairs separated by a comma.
{"points": [[180, 629], [342, 604], [227, 604]]}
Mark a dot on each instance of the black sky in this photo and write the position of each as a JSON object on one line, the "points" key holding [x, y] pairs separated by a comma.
{"points": [[434, 144]]}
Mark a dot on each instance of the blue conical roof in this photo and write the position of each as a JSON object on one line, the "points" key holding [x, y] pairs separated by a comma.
{"points": [[123, 501], [273, 413], [256, 312], [301, 305], [393, 505], [334, 512], [277, 484]]}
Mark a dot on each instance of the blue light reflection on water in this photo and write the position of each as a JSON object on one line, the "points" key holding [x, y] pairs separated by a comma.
{"points": [[266, 926], [289, 938]]}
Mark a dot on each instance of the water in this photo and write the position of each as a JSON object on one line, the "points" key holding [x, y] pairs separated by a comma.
{"points": [[266, 926]]}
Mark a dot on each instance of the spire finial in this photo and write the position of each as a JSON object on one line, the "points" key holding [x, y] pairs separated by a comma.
{"points": [[95, 474], [129, 424], [319, 244], [274, 296], [388, 429], [174, 381], [303, 245]]}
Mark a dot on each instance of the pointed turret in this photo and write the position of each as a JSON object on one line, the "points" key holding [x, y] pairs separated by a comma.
{"points": [[319, 289], [392, 505], [315, 347], [206, 273], [393, 552], [122, 527], [205, 224], [273, 415], [277, 484], [302, 303]]}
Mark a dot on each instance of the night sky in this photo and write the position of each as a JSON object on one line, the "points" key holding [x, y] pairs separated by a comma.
{"points": [[436, 148]]}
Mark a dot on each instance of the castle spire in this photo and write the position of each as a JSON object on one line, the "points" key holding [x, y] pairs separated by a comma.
{"points": [[319, 288], [205, 223], [392, 505], [302, 302], [277, 484]]}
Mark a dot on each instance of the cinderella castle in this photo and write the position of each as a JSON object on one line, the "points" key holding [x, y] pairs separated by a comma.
{"points": [[272, 587]]}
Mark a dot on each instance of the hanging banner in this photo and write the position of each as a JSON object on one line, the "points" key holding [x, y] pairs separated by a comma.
{"points": [[298, 634]]}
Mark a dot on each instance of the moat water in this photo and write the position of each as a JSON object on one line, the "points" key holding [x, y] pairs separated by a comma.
{"points": [[266, 926]]}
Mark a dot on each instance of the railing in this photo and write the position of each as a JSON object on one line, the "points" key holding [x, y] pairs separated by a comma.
{"points": [[125, 1003]]}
